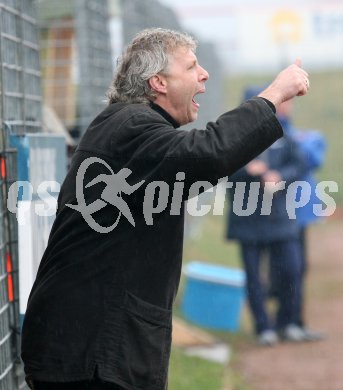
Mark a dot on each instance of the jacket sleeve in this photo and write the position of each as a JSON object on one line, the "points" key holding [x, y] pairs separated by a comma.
{"points": [[159, 151]]}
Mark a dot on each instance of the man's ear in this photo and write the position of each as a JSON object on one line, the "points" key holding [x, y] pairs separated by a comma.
{"points": [[158, 83]]}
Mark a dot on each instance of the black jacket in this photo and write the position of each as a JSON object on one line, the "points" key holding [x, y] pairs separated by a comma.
{"points": [[102, 302]]}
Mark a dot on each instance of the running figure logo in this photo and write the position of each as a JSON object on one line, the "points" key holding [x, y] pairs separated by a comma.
{"points": [[116, 184]]}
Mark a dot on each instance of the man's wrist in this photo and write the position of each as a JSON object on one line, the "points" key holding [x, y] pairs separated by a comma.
{"points": [[270, 104]]}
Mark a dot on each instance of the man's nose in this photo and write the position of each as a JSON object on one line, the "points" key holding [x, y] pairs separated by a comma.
{"points": [[203, 74]]}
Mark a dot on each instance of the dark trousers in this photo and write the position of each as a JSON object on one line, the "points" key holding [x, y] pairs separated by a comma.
{"points": [[303, 249], [304, 266], [286, 268], [84, 385], [274, 285]]}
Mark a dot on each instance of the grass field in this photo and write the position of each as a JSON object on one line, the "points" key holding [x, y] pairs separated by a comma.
{"points": [[322, 109], [188, 373]]}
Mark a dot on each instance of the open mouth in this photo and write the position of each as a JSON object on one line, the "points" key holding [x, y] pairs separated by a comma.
{"points": [[197, 105]]}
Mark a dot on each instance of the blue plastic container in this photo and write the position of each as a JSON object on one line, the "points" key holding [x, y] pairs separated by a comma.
{"points": [[214, 295]]}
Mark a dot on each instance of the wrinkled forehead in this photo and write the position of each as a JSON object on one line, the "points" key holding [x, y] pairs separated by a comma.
{"points": [[181, 50], [181, 55]]}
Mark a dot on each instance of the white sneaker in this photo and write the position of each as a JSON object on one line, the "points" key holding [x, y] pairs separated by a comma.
{"points": [[313, 335], [296, 333], [293, 332], [267, 338]]}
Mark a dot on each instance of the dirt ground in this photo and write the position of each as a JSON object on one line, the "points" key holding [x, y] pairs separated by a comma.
{"points": [[316, 365]]}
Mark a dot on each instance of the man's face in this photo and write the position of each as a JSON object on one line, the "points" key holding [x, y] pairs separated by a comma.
{"points": [[184, 79]]}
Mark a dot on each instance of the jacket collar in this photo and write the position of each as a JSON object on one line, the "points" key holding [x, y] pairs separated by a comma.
{"points": [[165, 114]]}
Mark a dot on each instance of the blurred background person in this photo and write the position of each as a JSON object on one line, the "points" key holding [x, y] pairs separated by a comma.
{"points": [[273, 233], [312, 145]]}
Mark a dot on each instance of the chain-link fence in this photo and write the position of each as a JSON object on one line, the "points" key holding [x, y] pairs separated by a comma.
{"points": [[20, 72], [11, 370], [20, 113], [75, 47], [76, 59]]}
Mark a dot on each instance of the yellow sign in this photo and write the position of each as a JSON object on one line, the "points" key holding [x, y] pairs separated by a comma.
{"points": [[286, 26]]}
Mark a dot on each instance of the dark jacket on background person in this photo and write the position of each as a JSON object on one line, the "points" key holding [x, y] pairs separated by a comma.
{"points": [[101, 303], [285, 157]]}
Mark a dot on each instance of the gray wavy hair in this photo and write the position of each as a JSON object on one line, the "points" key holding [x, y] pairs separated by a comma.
{"points": [[146, 56]]}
